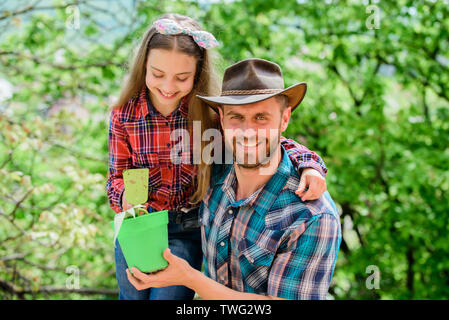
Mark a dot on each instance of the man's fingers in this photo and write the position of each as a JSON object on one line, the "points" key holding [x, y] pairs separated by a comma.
{"points": [[140, 275], [167, 255], [134, 281]]}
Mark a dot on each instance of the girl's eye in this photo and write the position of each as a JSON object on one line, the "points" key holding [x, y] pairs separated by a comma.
{"points": [[157, 76], [182, 80]]}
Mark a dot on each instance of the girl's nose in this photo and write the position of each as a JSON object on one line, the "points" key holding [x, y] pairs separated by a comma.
{"points": [[169, 86]]}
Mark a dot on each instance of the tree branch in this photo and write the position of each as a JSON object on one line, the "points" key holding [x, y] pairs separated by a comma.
{"points": [[33, 7], [410, 272], [7, 217], [11, 288], [357, 102], [38, 60], [347, 209], [14, 256]]}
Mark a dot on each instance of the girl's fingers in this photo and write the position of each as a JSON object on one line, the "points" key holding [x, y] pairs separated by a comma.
{"points": [[311, 194], [302, 186]]}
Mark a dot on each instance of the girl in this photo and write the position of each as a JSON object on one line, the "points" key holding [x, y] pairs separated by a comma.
{"points": [[171, 67]]}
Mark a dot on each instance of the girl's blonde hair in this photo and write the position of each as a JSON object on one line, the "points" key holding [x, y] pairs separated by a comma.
{"points": [[206, 83]]}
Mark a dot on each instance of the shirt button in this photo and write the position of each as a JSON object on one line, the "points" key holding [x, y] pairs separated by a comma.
{"points": [[251, 260], [230, 211], [222, 244], [168, 144]]}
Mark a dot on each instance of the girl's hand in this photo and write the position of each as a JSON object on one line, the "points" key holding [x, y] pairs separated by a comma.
{"points": [[315, 182], [125, 204]]}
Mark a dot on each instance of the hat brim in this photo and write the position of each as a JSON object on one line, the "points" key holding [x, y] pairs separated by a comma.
{"points": [[295, 94]]}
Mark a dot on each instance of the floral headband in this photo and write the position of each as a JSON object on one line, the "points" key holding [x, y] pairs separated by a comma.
{"points": [[202, 38]]}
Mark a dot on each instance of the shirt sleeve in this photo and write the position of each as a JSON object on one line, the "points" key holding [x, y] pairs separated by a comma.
{"points": [[303, 268], [119, 160], [302, 157]]}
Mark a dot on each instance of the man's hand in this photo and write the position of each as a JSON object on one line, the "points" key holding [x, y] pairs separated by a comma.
{"points": [[177, 273], [312, 179]]}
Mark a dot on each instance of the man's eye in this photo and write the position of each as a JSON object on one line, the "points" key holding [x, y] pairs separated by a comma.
{"points": [[236, 117], [261, 118]]}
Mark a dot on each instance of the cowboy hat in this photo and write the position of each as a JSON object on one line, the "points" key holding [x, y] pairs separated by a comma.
{"points": [[253, 80]]}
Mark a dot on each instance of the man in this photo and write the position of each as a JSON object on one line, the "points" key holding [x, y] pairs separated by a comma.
{"points": [[260, 241]]}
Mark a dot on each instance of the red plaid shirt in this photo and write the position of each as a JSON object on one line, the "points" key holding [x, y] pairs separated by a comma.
{"points": [[139, 137]]}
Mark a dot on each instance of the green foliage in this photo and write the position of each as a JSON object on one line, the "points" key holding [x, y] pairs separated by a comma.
{"points": [[376, 110]]}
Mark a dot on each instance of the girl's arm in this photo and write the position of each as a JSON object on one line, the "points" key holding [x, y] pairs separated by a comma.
{"points": [[302, 157], [311, 169], [119, 160]]}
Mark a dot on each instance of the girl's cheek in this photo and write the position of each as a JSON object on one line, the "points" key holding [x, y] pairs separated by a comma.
{"points": [[151, 81], [186, 87], [188, 84]]}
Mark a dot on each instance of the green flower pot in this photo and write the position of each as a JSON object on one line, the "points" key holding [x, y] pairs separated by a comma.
{"points": [[143, 240]]}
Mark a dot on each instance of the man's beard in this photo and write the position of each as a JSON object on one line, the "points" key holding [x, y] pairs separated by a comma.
{"points": [[265, 150]]}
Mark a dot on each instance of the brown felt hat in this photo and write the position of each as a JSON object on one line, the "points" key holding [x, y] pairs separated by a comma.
{"points": [[252, 80]]}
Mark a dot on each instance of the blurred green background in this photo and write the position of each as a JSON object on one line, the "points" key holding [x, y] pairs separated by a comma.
{"points": [[376, 110]]}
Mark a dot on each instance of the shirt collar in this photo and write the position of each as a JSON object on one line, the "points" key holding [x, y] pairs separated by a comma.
{"points": [[146, 106], [263, 198]]}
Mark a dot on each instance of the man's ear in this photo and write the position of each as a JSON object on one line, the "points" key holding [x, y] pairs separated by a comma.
{"points": [[285, 118]]}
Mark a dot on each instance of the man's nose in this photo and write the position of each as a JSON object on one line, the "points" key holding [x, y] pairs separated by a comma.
{"points": [[249, 132], [250, 127], [246, 125]]}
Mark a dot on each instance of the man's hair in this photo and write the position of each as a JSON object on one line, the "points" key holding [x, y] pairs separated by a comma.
{"points": [[283, 101]]}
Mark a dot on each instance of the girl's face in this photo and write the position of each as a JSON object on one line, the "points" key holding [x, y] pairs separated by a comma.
{"points": [[169, 77]]}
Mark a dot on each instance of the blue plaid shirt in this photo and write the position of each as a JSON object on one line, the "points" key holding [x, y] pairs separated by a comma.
{"points": [[270, 243]]}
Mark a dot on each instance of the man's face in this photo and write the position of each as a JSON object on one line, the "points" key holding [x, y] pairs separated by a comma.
{"points": [[253, 131]]}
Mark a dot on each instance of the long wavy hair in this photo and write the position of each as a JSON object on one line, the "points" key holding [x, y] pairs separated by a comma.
{"points": [[206, 83]]}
